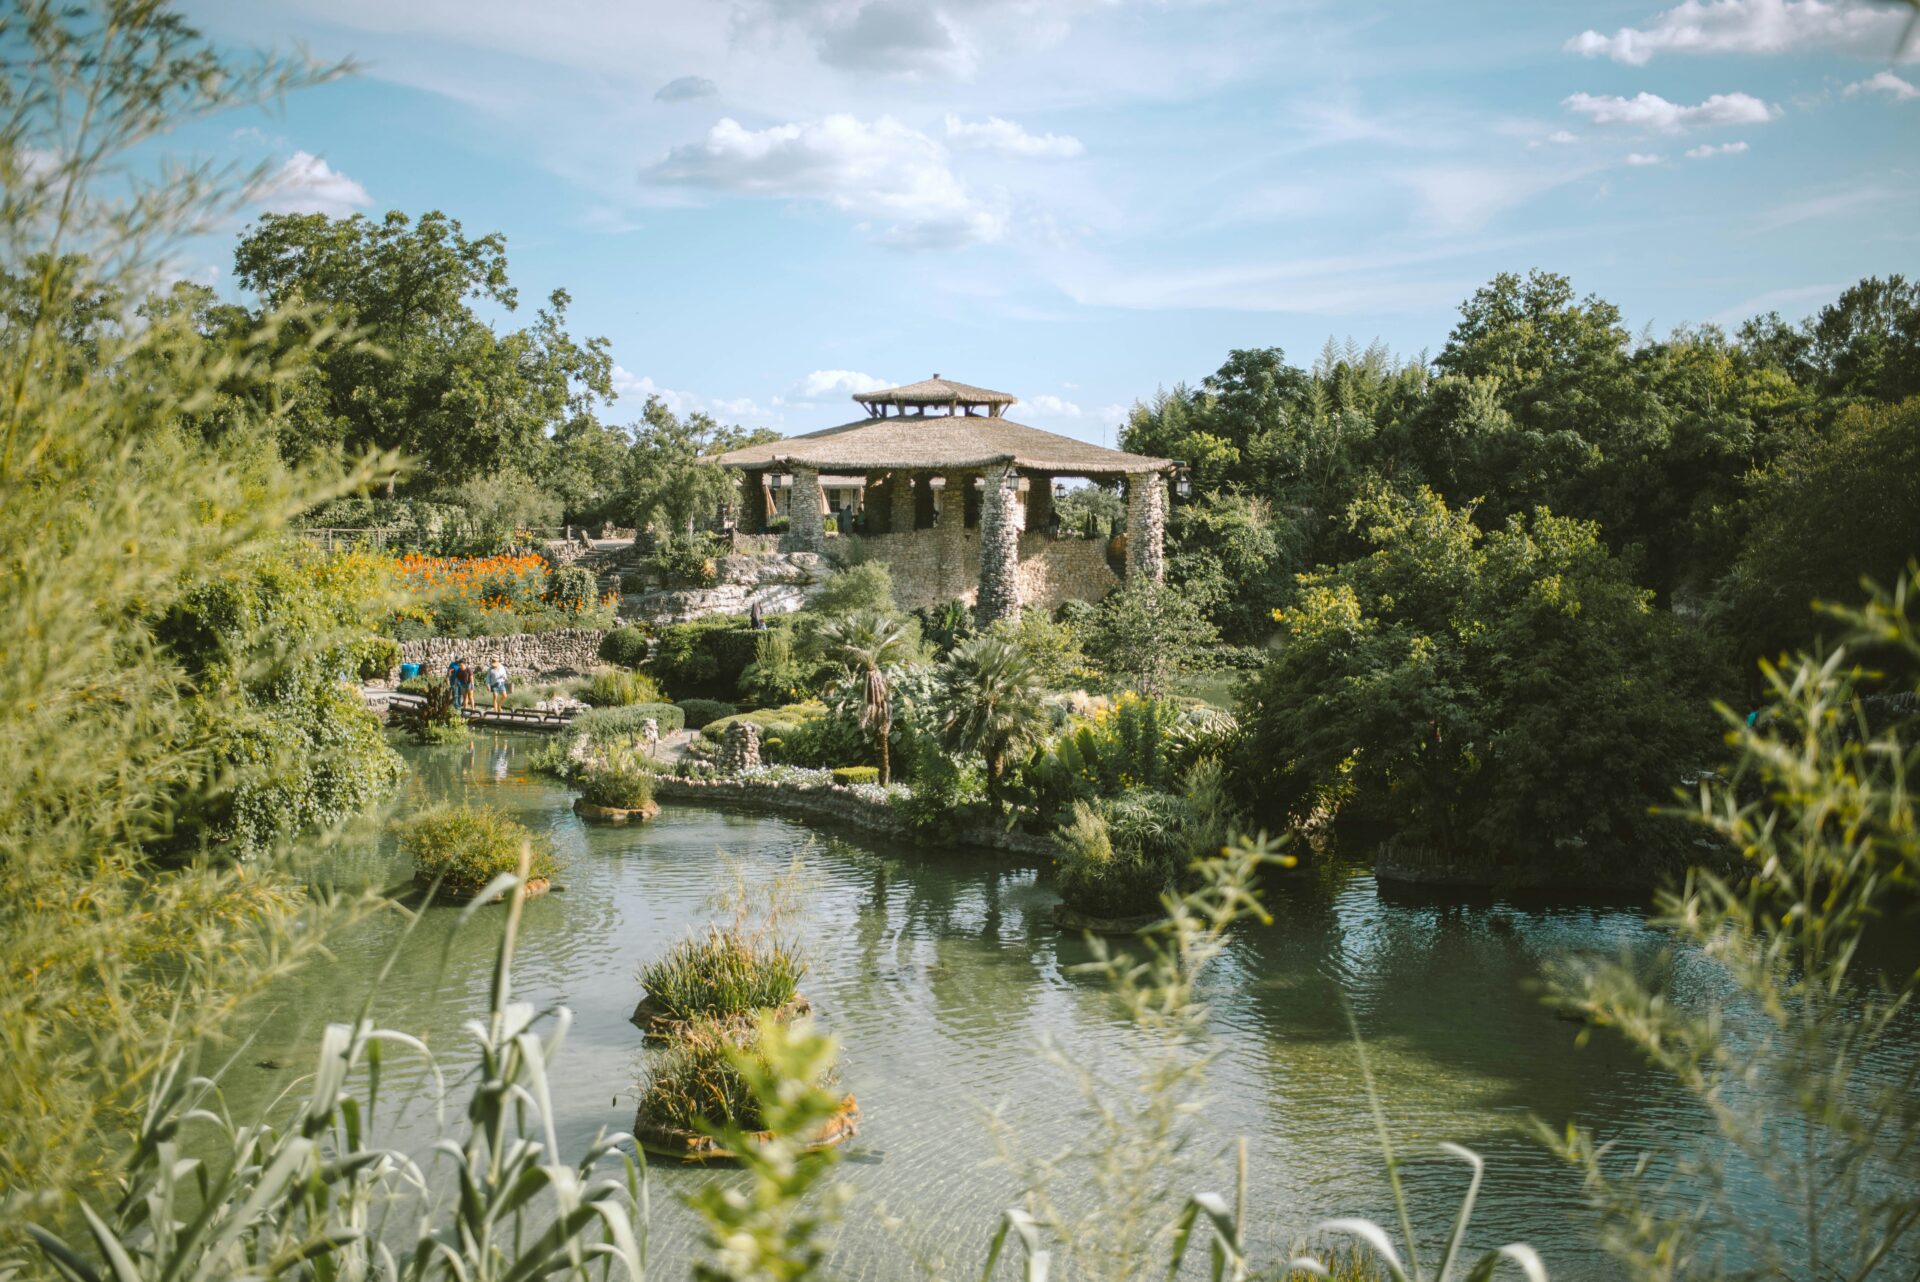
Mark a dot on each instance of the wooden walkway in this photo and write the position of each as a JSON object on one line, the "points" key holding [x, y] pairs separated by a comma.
{"points": [[507, 719]]}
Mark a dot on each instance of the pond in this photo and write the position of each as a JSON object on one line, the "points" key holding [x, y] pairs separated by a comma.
{"points": [[942, 973]]}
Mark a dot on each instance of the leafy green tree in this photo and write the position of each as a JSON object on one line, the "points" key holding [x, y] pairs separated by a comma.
{"points": [[1511, 698], [869, 646], [666, 483], [1830, 512], [425, 374], [988, 699], [1147, 635]]}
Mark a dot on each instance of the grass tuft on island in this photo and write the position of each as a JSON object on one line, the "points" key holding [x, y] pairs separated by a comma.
{"points": [[465, 847], [722, 974]]}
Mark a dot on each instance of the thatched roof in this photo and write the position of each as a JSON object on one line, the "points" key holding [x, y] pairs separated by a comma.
{"points": [[934, 442], [936, 391]]}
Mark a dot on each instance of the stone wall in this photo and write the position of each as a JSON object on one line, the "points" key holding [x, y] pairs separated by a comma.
{"points": [[778, 582], [943, 564], [526, 654]]}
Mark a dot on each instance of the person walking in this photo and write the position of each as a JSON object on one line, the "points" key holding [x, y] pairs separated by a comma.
{"points": [[756, 618], [497, 681], [462, 683]]}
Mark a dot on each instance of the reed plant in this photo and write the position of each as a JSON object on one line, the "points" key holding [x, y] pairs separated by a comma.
{"points": [[621, 782], [619, 688], [726, 972], [696, 1083]]}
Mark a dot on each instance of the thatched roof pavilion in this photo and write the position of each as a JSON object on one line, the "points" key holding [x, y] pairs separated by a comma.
{"points": [[958, 432]]}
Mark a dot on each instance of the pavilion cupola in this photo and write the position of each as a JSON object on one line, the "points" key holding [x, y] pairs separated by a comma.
{"points": [[935, 396]]}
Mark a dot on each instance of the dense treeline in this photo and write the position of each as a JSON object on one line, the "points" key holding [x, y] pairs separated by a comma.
{"points": [[1538, 555]]}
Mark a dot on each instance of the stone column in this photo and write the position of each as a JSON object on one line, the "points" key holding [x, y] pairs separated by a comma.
{"points": [[806, 532], [999, 547], [755, 504], [1146, 526], [1039, 501], [953, 501], [902, 512]]}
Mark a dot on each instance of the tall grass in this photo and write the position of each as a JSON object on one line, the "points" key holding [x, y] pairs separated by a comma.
{"points": [[723, 973]]}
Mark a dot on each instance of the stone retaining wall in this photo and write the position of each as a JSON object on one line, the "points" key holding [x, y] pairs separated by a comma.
{"points": [[839, 805], [567, 652], [778, 582], [932, 566]]}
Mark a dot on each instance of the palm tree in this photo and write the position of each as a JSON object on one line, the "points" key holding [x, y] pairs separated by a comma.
{"points": [[870, 645], [988, 697]]}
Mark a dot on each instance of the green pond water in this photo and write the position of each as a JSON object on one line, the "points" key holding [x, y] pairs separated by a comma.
{"points": [[941, 972]]}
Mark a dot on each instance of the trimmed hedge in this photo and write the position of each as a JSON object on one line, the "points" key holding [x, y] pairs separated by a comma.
{"points": [[701, 711], [847, 776], [766, 718]]}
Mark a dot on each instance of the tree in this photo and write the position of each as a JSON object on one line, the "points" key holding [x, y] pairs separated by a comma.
{"points": [[422, 373], [1146, 635], [987, 699], [1511, 699], [870, 645], [666, 482]]}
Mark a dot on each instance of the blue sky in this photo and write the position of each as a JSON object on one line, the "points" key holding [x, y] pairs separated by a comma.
{"points": [[766, 205]]}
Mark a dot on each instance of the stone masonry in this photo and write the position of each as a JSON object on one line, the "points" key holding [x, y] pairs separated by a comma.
{"points": [[526, 654], [1146, 527], [999, 596], [739, 749], [806, 526]]}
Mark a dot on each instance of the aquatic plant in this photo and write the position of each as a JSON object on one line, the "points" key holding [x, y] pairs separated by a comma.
{"points": [[695, 1082], [724, 972], [466, 847], [622, 783]]}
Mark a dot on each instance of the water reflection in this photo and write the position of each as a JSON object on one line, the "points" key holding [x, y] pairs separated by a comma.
{"points": [[941, 972]]}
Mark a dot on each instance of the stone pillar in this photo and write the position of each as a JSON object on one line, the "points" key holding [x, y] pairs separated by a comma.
{"points": [[903, 509], [756, 505], [806, 532], [1039, 501], [953, 501], [1146, 526], [999, 547]]}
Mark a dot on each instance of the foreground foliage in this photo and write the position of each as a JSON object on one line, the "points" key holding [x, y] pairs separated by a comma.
{"points": [[1811, 1091]]}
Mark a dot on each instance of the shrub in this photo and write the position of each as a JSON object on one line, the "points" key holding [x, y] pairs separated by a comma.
{"points": [[618, 688], [625, 646], [700, 711], [704, 659], [468, 846], [781, 720], [774, 676], [945, 625], [1116, 856], [819, 741], [685, 563], [847, 776], [722, 973], [437, 721], [375, 658], [862, 587], [632, 583], [573, 588], [602, 726], [621, 784]]}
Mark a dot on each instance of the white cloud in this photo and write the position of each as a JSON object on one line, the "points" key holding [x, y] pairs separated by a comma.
{"points": [[1642, 158], [900, 37], [995, 134], [837, 382], [1046, 405], [683, 88], [1707, 150], [1464, 198], [1561, 138], [1817, 208], [634, 389], [1887, 83], [1752, 27], [307, 184], [882, 171], [1651, 111]]}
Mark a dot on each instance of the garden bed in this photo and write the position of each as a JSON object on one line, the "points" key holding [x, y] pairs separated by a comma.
{"points": [[690, 1146], [533, 888], [1073, 919], [614, 814], [657, 1027], [847, 806]]}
